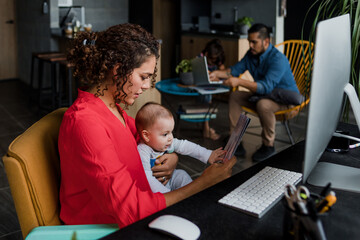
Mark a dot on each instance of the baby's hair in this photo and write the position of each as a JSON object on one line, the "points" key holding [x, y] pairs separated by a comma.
{"points": [[149, 113]]}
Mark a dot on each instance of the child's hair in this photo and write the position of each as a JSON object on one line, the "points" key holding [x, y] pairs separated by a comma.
{"points": [[214, 49], [148, 114]]}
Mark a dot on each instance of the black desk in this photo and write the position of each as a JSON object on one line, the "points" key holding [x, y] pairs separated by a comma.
{"points": [[219, 222]]}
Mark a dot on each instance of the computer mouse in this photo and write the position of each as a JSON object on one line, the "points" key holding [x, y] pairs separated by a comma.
{"points": [[176, 226]]}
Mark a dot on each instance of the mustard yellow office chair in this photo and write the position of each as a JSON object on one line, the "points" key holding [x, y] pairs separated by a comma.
{"points": [[300, 55], [32, 166]]}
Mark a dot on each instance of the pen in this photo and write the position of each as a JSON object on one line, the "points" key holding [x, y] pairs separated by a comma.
{"points": [[325, 190], [327, 202]]}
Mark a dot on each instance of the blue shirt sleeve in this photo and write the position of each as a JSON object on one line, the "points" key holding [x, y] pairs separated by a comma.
{"points": [[239, 67], [271, 70], [272, 76]]}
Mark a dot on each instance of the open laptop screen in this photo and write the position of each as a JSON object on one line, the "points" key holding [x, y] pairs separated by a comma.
{"points": [[201, 72]]}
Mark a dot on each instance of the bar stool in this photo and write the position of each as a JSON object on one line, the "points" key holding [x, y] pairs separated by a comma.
{"points": [[54, 59], [68, 67]]}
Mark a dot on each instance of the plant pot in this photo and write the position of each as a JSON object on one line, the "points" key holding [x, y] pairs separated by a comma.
{"points": [[186, 78], [243, 29]]}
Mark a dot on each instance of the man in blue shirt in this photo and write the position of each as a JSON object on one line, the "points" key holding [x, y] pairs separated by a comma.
{"points": [[270, 70]]}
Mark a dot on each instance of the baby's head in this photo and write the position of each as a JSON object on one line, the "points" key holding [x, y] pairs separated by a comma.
{"points": [[155, 124]]}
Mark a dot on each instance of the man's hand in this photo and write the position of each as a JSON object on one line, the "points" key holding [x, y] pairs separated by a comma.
{"points": [[236, 82], [219, 74], [164, 167], [232, 82]]}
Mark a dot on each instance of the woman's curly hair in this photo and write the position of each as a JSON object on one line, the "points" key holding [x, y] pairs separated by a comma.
{"points": [[95, 54]]}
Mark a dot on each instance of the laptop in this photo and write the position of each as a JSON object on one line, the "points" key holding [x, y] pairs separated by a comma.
{"points": [[201, 72]]}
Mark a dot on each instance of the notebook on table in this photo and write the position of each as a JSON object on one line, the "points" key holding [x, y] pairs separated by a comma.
{"points": [[236, 136]]}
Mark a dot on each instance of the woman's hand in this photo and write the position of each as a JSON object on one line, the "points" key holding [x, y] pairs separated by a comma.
{"points": [[216, 155], [215, 173], [164, 167]]}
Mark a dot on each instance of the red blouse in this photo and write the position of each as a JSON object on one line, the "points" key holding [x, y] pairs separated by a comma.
{"points": [[102, 178]]}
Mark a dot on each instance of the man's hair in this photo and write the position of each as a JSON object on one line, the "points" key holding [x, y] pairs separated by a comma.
{"points": [[262, 29], [149, 113]]}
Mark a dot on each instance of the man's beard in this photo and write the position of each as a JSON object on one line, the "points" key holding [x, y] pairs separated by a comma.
{"points": [[257, 55]]}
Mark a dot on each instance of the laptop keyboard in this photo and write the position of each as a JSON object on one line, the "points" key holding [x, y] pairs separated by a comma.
{"points": [[261, 192]]}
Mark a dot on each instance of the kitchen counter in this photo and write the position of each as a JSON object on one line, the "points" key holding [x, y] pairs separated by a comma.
{"points": [[235, 45], [216, 34]]}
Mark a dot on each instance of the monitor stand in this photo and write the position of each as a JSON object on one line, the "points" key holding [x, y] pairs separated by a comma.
{"points": [[341, 177]]}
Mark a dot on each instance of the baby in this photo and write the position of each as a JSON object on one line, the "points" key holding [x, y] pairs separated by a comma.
{"points": [[155, 124]]}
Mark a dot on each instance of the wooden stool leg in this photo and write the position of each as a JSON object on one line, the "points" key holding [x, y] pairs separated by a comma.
{"points": [[32, 72], [69, 71], [59, 84], [54, 81], [40, 80]]}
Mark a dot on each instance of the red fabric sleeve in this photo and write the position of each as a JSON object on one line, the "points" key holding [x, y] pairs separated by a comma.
{"points": [[102, 175]]}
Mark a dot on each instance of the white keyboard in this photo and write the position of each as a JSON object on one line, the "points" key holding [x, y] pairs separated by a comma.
{"points": [[258, 194]]}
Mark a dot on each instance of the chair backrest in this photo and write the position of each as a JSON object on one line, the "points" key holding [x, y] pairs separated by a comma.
{"points": [[300, 55], [33, 169]]}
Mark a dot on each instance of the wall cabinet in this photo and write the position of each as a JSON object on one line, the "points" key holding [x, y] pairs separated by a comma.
{"points": [[235, 48]]}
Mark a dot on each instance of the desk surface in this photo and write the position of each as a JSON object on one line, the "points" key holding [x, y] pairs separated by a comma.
{"points": [[173, 86], [219, 222]]}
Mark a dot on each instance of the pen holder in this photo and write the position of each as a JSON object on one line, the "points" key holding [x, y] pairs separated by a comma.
{"points": [[302, 225]]}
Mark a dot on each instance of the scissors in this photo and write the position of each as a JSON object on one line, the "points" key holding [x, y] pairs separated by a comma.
{"points": [[297, 198]]}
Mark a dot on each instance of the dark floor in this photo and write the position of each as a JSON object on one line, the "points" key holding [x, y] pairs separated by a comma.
{"points": [[251, 139], [17, 115]]}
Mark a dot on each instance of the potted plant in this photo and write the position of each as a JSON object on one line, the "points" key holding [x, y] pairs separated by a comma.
{"points": [[327, 9], [184, 69], [244, 24]]}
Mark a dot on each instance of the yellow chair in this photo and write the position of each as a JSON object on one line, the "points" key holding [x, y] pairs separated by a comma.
{"points": [[300, 55], [32, 166]]}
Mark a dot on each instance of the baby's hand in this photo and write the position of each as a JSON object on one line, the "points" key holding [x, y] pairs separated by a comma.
{"points": [[216, 155]]}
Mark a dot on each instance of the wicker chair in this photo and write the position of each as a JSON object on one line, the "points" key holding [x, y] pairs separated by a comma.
{"points": [[300, 55]]}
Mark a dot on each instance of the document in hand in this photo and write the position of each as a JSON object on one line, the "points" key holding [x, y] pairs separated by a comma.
{"points": [[236, 136]]}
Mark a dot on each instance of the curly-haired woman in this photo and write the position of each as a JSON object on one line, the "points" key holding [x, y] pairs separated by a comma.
{"points": [[102, 178]]}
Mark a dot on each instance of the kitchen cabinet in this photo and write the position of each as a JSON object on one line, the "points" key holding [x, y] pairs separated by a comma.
{"points": [[234, 47]]}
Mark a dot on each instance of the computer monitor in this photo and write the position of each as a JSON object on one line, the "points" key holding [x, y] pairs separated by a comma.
{"points": [[330, 80]]}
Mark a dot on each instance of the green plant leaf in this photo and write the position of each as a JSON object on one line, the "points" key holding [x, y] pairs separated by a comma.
{"points": [[184, 66], [328, 9], [245, 21]]}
